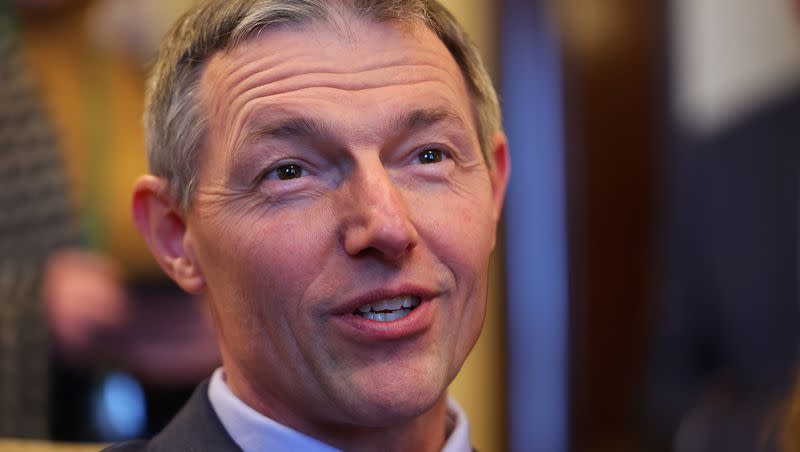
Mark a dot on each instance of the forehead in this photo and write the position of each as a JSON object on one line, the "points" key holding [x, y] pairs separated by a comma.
{"points": [[344, 41], [354, 61]]}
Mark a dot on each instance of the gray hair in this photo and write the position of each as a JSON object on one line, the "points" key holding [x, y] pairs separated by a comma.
{"points": [[175, 122]]}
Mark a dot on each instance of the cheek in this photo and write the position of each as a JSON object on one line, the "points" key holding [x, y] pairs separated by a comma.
{"points": [[283, 258], [459, 228], [266, 261], [258, 272], [459, 232]]}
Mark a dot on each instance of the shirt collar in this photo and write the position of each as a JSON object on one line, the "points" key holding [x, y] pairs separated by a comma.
{"points": [[254, 432]]}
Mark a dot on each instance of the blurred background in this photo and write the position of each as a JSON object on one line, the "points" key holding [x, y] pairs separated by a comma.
{"points": [[644, 298]]}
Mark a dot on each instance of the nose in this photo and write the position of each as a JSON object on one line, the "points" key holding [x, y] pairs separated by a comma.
{"points": [[379, 223]]}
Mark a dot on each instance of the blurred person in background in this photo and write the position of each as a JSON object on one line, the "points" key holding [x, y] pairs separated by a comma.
{"points": [[727, 331], [94, 290], [35, 222]]}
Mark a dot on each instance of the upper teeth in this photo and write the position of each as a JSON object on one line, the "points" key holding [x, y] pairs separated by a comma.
{"points": [[390, 305]]}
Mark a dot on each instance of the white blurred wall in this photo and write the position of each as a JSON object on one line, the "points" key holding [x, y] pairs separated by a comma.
{"points": [[730, 57]]}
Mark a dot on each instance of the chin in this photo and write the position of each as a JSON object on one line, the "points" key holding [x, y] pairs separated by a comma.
{"points": [[397, 411], [397, 401]]}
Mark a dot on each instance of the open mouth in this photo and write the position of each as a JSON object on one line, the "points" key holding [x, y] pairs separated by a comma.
{"points": [[388, 310]]}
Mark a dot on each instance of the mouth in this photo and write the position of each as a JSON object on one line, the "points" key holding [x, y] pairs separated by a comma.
{"points": [[388, 310]]}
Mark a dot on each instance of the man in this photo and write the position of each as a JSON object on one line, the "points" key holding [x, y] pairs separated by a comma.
{"points": [[330, 174]]}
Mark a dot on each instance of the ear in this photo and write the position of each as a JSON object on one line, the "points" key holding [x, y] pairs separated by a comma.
{"points": [[164, 231], [499, 172]]}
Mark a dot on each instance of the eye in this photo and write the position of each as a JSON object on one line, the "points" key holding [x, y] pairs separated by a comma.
{"points": [[286, 172], [430, 156]]}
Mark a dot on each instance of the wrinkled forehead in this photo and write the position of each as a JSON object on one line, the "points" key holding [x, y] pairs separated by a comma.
{"points": [[353, 55], [320, 41]]}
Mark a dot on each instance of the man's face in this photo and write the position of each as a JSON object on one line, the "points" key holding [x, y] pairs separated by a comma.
{"points": [[342, 173]]}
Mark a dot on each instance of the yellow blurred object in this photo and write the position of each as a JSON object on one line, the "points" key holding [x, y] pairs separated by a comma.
{"points": [[20, 445], [593, 30], [95, 101]]}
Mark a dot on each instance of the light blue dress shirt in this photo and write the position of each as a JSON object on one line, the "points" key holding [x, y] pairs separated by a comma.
{"points": [[254, 432]]}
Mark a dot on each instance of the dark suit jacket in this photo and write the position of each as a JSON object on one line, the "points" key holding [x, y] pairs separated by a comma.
{"points": [[730, 316], [196, 428]]}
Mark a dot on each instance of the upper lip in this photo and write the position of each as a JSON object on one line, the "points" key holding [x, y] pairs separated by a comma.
{"points": [[384, 294]]}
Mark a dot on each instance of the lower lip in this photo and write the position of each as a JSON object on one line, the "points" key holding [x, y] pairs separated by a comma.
{"points": [[363, 329]]}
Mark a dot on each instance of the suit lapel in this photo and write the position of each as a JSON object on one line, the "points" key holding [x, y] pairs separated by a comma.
{"points": [[196, 428]]}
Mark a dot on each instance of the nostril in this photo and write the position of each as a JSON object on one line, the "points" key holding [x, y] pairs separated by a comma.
{"points": [[369, 252], [384, 253]]}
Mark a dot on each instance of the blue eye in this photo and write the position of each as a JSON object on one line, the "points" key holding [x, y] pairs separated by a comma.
{"points": [[430, 156], [287, 172]]}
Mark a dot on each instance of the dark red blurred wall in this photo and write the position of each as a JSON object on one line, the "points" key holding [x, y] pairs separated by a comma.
{"points": [[615, 104]]}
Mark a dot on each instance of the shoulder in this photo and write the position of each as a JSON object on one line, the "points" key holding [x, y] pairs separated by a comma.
{"points": [[196, 428]]}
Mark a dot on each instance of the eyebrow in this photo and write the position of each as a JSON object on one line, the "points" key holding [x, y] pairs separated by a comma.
{"points": [[422, 118], [294, 127], [304, 127]]}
